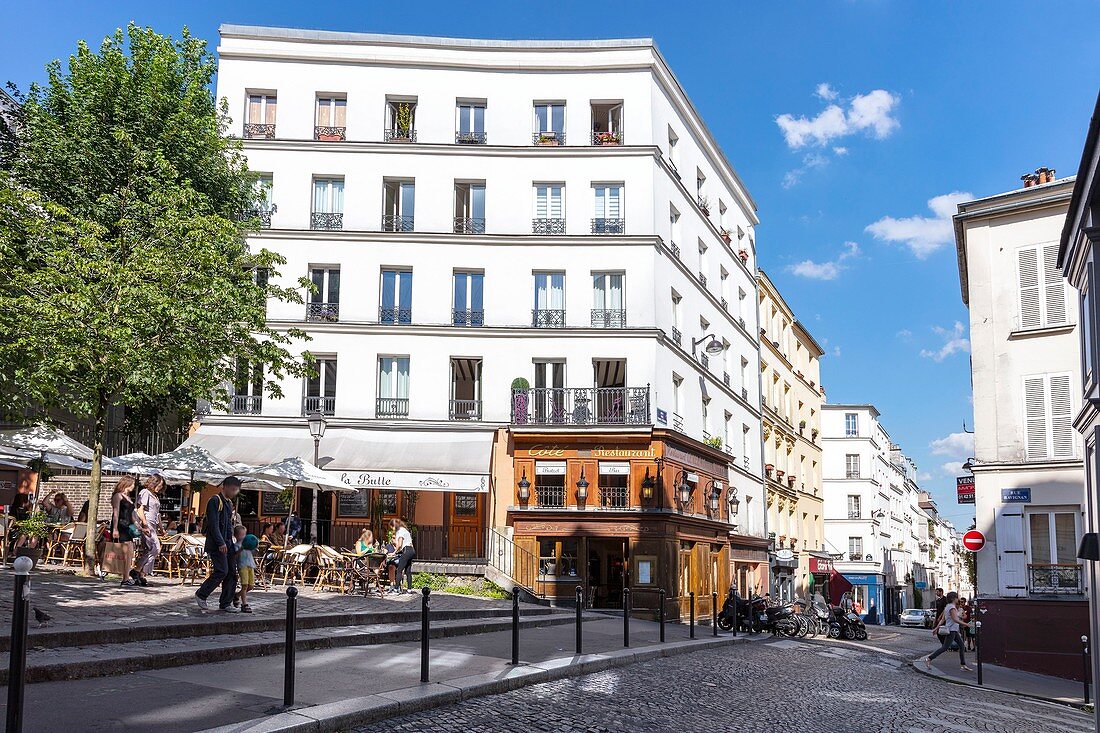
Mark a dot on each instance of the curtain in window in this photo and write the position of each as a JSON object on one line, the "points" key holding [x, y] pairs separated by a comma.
{"points": [[329, 371], [1065, 538], [402, 367], [550, 291], [607, 202], [477, 202]]}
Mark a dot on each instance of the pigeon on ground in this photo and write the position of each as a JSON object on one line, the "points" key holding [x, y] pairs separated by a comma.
{"points": [[42, 617]]}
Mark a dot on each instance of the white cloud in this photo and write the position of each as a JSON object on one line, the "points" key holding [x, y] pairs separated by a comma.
{"points": [[955, 445], [840, 150], [904, 334], [871, 113], [836, 351], [952, 468], [825, 91], [810, 161], [923, 235], [829, 270], [954, 341], [923, 476]]}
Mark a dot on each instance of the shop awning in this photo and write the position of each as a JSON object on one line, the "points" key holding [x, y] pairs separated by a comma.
{"points": [[423, 460]]}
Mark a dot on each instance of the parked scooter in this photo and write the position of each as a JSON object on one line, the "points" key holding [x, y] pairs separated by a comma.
{"points": [[846, 624]]}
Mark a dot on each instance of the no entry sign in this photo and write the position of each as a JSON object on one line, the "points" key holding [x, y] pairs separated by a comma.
{"points": [[973, 540]]}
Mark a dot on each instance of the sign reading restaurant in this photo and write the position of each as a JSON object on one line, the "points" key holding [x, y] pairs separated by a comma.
{"points": [[599, 451]]}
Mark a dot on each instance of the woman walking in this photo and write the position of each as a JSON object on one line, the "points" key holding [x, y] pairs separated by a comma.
{"points": [[118, 557], [952, 622], [403, 555], [148, 511]]}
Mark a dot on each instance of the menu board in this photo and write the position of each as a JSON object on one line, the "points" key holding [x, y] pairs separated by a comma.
{"points": [[273, 503], [356, 504]]}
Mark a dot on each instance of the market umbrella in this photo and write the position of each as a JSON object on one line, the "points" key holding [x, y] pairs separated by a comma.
{"points": [[192, 460], [43, 439], [295, 473]]}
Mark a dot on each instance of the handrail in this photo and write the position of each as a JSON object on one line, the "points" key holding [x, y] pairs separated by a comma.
{"points": [[504, 555]]}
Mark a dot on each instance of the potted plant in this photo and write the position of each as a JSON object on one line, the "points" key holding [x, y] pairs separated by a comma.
{"points": [[743, 254], [714, 442], [607, 138], [35, 529], [813, 434], [548, 138], [704, 205], [725, 234], [519, 400], [402, 122], [768, 468], [791, 480]]}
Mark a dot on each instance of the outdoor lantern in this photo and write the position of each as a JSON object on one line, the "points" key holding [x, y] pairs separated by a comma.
{"points": [[524, 487], [733, 501], [715, 496], [582, 486], [316, 425], [1090, 547], [685, 490], [648, 484], [714, 346]]}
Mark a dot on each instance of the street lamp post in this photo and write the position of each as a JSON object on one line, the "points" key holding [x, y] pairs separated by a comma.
{"points": [[317, 426]]}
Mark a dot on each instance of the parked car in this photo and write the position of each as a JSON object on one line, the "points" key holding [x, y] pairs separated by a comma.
{"points": [[916, 617]]}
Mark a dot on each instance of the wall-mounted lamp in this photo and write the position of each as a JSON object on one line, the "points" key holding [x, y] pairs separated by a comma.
{"points": [[684, 489], [715, 495], [649, 483], [733, 501], [582, 487], [524, 487], [714, 346]]}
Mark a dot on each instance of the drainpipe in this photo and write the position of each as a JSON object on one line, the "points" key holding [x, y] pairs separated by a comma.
{"points": [[760, 410]]}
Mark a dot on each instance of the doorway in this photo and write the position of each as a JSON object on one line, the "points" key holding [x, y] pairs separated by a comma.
{"points": [[464, 533], [607, 571], [324, 515]]}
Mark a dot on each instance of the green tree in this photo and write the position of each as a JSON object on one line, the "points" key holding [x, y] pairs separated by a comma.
{"points": [[127, 276]]}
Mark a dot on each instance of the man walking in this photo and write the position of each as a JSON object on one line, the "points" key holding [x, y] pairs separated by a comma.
{"points": [[218, 528]]}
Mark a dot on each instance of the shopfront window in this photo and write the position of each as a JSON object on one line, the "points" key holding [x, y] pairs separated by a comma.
{"points": [[558, 557], [465, 505], [388, 500], [550, 483], [861, 595], [614, 485]]}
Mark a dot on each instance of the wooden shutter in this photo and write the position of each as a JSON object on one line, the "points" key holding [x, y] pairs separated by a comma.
{"points": [[1054, 288], [1061, 416], [1011, 557], [1035, 417], [1027, 270]]}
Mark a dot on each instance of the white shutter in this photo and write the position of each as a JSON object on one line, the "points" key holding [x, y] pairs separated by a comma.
{"points": [[1035, 417], [1061, 416], [1027, 261], [1054, 288], [1011, 556]]}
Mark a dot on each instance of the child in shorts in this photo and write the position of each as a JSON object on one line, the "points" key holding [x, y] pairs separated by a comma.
{"points": [[246, 564]]}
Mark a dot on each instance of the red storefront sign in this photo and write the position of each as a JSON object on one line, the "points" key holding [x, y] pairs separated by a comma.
{"points": [[964, 485], [821, 566]]}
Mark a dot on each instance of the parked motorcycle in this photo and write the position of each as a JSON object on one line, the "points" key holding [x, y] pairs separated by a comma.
{"points": [[846, 624]]}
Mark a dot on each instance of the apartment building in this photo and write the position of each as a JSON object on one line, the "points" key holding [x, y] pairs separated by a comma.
{"points": [[791, 398], [1028, 468], [533, 303]]}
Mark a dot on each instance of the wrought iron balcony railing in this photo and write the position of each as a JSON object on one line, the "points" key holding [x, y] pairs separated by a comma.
{"points": [[608, 318], [550, 496], [469, 225], [391, 407], [744, 393], [399, 316], [323, 220], [246, 404], [614, 497], [853, 514], [472, 317], [609, 226], [548, 137], [675, 249], [548, 226], [1055, 579], [327, 133], [607, 138], [702, 279], [581, 406], [264, 215], [397, 223], [259, 131], [465, 409], [677, 422], [324, 312], [677, 336], [399, 135], [704, 359], [470, 138], [543, 318], [323, 405], [725, 304], [726, 378]]}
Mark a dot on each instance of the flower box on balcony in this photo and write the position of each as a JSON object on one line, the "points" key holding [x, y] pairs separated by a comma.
{"points": [[725, 234], [791, 480], [607, 138], [743, 254], [779, 474], [547, 140]]}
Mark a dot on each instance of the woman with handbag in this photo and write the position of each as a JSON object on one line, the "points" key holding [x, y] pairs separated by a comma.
{"points": [[118, 556]]}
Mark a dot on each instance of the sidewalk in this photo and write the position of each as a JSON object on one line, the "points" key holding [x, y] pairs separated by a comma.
{"points": [[342, 685], [1005, 679]]}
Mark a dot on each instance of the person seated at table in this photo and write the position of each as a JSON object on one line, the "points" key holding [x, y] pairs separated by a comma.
{"points": [[21, 509], [365, 544], [193, 525], [278, 535], [266, 531], [173, 528], [59, 511]]}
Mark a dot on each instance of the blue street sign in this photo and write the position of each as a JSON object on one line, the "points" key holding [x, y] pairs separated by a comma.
{"points": [[1016, 496], [662, 416]]}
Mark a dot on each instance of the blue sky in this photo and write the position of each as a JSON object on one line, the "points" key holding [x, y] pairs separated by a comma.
{"points": [[845, 119]]}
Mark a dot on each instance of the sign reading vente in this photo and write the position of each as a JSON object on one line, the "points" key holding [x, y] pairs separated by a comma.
{"points": [[964, 485]]}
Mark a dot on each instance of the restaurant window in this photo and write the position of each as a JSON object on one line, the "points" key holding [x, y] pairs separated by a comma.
{"points": [[614, 485], [550, 483], [465, 505], [387, 499], [557, 557]]}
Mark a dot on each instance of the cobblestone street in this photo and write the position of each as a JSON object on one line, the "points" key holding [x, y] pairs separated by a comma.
{"points": [[783, 685]]}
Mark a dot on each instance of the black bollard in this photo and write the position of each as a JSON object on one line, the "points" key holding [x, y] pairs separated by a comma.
{"points": [[17, 655], [580, 608], [626, 617], [425, 632], [978, 644], [661, 614], [1085, 662], [289, 646], [691, 595], [714, 612], [515, 625]]}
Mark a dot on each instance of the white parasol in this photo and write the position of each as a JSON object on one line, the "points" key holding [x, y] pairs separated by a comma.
{"points": [[43, 440], [295, 472]]}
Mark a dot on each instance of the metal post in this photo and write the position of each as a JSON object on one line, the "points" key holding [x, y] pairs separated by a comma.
{"points": [[714, 612], [978, 643], [17, 655], [580, 608], [425, 632], [626, 617], [736, 616], [313, 511], [515, 625], [289, 646], [661, 614], [1085, 662], [691, 595]]}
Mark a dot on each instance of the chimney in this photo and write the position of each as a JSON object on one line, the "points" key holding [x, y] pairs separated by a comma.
{"points": [[1046, 175], [1030, 179]]}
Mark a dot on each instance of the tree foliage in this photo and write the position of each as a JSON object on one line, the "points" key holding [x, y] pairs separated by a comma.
{"points": [[127, 276]]}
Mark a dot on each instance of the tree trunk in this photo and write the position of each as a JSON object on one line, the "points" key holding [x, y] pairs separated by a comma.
{"points": [[94, 483]]}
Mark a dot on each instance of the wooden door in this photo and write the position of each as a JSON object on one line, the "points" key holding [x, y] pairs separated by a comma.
{"points": [[465, 532]]}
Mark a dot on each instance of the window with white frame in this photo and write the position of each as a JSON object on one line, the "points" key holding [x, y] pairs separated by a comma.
{"points": [[855, 548], [851, 465], [328, 195], [1052, 537], [332, 114], [396, 296], [608, 209], [1087, 323], [1042, 289], [854, 508], [1048, 417], [607, 298], [261, 109], [550, 122], [549, 203], [393, 386], [470, 125], [851, 425]]}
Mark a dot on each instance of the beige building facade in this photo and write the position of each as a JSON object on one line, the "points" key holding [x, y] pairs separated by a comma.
{"points": [[791, 397]]}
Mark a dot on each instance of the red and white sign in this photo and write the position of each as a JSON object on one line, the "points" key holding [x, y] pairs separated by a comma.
{"points": [[965, 488], [973, 540]]}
